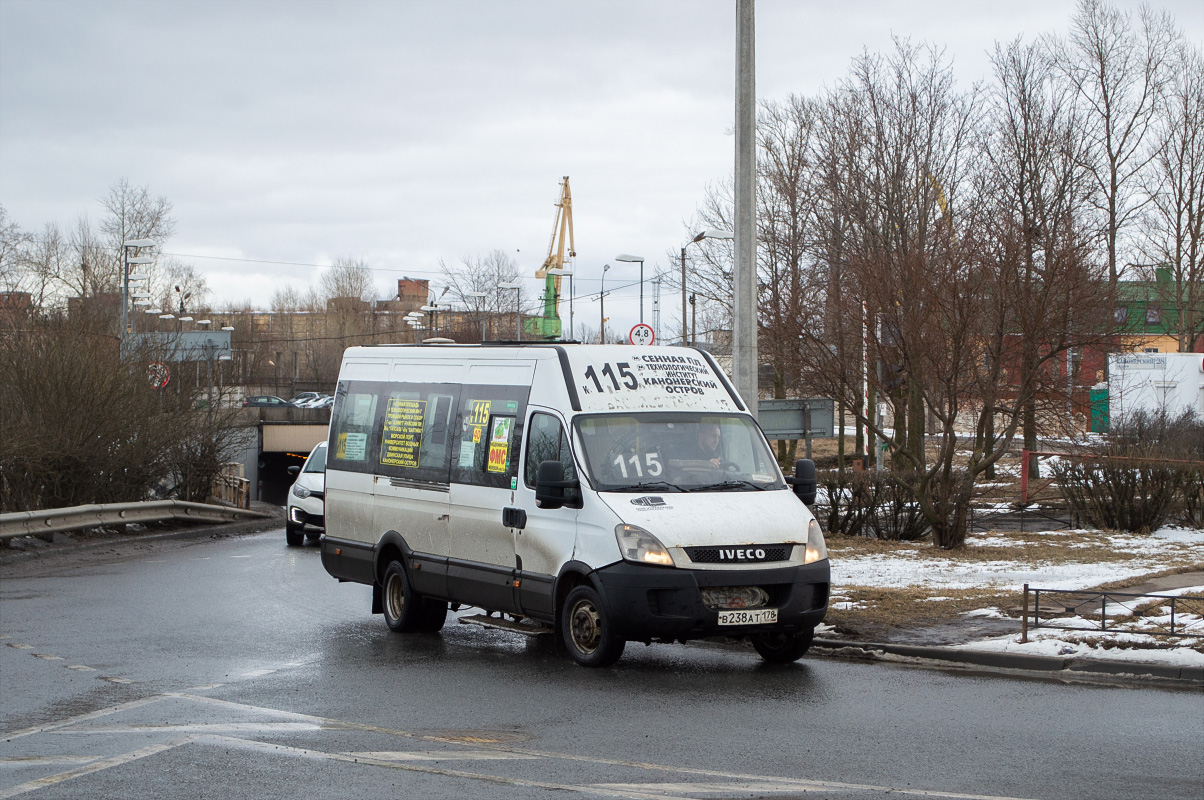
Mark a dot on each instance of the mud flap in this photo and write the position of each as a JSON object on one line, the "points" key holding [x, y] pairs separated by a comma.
{"points": [[378, 605]]}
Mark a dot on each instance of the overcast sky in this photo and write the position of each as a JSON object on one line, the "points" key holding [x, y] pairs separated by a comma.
{"points": [[406, 132]]}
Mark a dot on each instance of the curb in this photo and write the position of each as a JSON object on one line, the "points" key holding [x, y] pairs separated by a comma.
{"points": [[1017, 661]]}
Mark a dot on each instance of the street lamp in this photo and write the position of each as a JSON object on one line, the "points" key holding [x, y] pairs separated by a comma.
{"points": [[602, 307], [480, 296], [710, 233], [633, 259], [566, 273], [130, 248], [433, 310], [518, 325]]}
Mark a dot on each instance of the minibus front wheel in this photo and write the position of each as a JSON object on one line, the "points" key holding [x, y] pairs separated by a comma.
{"points": [[782, 648], [587, 632]]}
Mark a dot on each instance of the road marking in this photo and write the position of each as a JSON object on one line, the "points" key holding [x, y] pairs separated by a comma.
{"points": [[200, 727], [242, 556], [103, 712], [256, 673], [50, 780], [36, 761], [437, 755], [111, 679], [798, 784], [47, 657], [410, 767], [20, 646], [81, 668]]}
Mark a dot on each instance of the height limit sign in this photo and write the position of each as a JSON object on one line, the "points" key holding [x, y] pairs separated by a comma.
{"points": [[641, 334]]}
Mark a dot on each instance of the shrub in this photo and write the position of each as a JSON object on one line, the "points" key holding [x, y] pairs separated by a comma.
{"points": [[876, 504]]}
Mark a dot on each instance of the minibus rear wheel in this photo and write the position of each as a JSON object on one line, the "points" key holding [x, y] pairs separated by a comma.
{"points": [[586, 631], [782, 648], [402, 607]]}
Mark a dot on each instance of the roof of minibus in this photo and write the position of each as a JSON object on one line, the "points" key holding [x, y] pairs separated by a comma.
{"points": [[597, 377]]}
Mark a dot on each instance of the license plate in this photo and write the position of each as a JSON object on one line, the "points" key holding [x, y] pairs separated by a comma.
{"points": [[755, 616]]}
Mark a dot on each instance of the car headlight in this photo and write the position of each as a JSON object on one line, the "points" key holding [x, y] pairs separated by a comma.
{"points": [[300, 491], [640, 546], [816, 549]]}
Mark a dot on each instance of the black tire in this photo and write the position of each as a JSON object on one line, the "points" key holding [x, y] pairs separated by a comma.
{"points": [[294, 534], [782, 648], [585, 630], [313, 536], [434, 614], [403, 608]]}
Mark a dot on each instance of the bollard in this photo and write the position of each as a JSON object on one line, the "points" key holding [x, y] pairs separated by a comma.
{"points": [[1024, 618]]}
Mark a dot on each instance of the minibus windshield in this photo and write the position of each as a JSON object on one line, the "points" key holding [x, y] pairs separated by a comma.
{"points": [[673, 451]]}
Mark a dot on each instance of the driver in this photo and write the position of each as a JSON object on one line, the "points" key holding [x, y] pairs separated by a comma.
{"points": [[707, 445]]}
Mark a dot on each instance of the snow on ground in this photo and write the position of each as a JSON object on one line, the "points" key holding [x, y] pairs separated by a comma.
{"points": [[1125, 641], [926, 567]]}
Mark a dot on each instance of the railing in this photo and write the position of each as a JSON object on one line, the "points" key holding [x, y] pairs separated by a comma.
{"points": [[26, 523], [231, 488], [1117, 609]]}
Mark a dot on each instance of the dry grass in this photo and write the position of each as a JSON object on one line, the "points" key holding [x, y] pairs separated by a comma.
{"points": [[876, 612]]}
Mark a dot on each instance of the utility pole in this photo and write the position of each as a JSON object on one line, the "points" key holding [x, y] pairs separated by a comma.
{"points": [[744, 305]]}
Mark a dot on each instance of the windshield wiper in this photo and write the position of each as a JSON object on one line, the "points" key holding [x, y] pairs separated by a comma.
{"points": [[725, 485], [651, 486]]}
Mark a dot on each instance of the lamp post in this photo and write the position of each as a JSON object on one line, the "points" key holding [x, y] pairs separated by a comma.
{"points": [[412, 319], [566, 273], [433, 310], [518, 325], [632, 259], [602, 307], [130, 248], [480, 297], [713, 233]]}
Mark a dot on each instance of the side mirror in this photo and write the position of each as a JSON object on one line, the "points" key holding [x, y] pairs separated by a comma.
{"points": [[804, 481], [550, 485], [294, 470]]}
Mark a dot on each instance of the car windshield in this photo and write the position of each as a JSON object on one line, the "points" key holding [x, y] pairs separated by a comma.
{"points": [[317, 460], [670, 451]]}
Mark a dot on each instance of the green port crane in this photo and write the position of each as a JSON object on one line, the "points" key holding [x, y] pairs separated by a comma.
{"points": [[548, 325]]}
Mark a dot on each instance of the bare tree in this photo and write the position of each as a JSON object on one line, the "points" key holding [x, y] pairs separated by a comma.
{"points": [[1041, 190], [1118, 71], [485, 274], [1174, 229], [13, 243], [348, 278]]}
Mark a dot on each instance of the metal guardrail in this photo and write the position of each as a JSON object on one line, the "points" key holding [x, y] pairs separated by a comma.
{"points": [[54, 520], [1125, 608]]}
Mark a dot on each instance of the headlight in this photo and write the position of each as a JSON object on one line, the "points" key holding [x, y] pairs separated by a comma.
{"points": [[816, 549], [300, 491], [640, 546]]}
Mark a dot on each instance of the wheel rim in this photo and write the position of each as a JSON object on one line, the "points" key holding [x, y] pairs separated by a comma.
{"points": [[585, 624], [395, 599]]}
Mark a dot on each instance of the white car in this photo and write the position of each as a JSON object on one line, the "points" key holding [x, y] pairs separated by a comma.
{"points": [[305, 512]]}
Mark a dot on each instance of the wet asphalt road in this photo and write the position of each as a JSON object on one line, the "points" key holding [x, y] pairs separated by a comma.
{"points": [[237, 668]]}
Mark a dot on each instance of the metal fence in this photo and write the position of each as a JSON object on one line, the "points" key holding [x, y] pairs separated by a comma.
{"points": [[55, 520], [1115, 612]]}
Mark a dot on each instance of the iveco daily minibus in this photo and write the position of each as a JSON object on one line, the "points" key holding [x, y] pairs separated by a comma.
{"points": [[608, 493]]}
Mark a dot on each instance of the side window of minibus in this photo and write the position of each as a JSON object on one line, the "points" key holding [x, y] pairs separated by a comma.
{"points": [[351, 439], [546, 441]]}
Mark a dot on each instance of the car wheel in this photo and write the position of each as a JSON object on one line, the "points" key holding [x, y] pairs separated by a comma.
{"points": [[586, 632], [782, 648], [403, 607], [294, 534]]}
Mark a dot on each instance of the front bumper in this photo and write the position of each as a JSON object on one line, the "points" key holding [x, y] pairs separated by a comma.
{"points": [[307, 512], [646, 602]]}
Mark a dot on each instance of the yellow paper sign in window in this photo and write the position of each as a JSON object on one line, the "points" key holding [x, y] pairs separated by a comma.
{"points": [[499, 444]]}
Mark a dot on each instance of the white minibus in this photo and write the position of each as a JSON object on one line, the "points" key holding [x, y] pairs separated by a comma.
{"points": [[607, 493]]}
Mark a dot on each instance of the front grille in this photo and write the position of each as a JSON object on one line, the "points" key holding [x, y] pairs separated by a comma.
{"points": [[745, 554]]}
